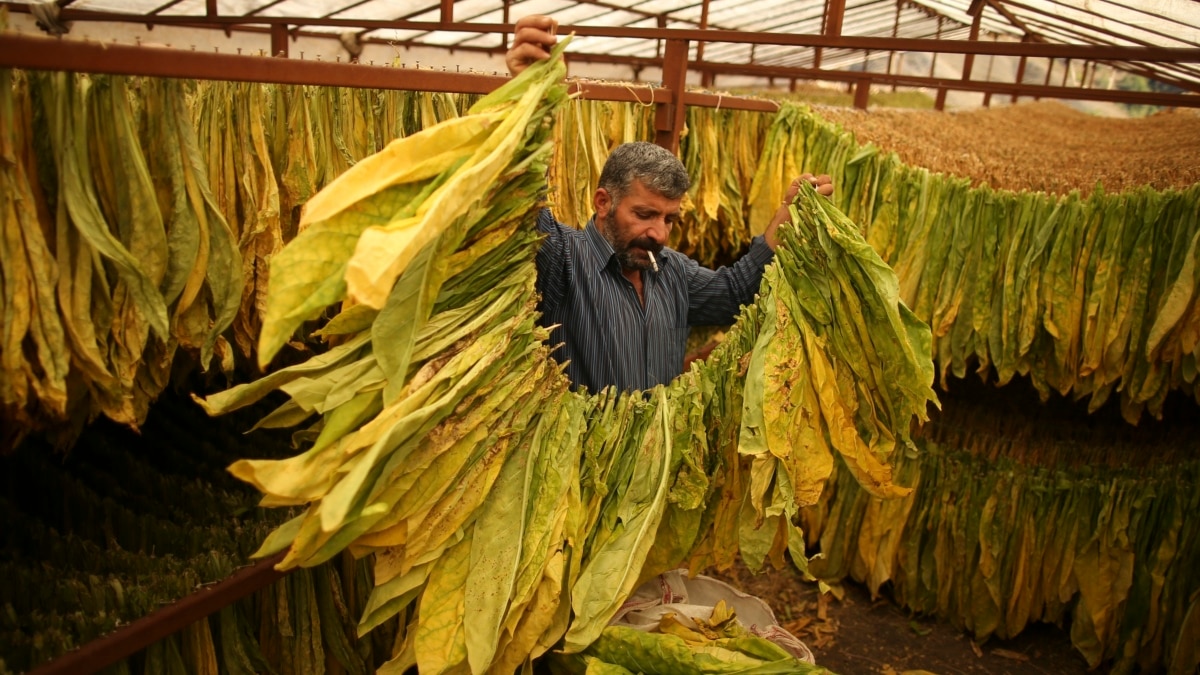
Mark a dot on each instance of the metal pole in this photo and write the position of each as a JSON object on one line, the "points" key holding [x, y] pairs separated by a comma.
{"points": [[131, 638], [669, 116]]}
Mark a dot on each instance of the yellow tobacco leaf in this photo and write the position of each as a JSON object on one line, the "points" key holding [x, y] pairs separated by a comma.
{"points": [[412, 158], [872, 474], [440, 641]]}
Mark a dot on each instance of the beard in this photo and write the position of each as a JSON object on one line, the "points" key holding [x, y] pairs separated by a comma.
{"points": [[631, 253]]}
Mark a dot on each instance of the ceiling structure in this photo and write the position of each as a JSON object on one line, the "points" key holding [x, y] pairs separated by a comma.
{"points": [[837, 40]]}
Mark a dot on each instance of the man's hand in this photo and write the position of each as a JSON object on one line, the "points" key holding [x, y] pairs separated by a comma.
{"points": [[532, 42], [824, 186]]}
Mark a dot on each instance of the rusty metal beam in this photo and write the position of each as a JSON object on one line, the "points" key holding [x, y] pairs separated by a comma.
{"points": [[1045, 50], [895, 33], [862, 93], [700, 45], [969, 59], [505, 18], [41, 53], [835, 13], [987, 97], [1046, 83], [279, 40], [38, 53], [933, 59], [131, 638], [639, 63], [729, 102], [669, 116], [1006, 88], [50, 54]]}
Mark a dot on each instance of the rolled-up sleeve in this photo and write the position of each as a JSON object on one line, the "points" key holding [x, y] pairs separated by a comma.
{"points": [[716, 296]]}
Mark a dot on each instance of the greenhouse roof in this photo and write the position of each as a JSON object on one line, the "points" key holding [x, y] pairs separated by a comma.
{"points": [[1159, 39]]}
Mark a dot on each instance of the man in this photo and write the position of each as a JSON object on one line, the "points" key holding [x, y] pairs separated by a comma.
{"points": [[621, 303]]}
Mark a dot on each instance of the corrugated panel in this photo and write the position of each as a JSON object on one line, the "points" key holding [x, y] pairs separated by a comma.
{"points": [[1159, 23]]}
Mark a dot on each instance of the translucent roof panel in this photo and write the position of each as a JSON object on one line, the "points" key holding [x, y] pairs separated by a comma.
{"points": [[1098, 23]]}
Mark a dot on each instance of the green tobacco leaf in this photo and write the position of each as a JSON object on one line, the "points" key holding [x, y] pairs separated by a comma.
{"points": [[496, 555], [402, 317], [440, 640], [67, 96], [609, 576], [308, 274], [246, 394]]}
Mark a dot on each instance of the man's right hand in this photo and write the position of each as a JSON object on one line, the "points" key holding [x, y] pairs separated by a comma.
{"points": [[532, 41]]}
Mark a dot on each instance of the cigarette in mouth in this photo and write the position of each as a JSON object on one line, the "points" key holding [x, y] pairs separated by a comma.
{"points": [[653, 262]]}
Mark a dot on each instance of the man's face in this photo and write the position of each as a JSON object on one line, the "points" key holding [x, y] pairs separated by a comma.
{"points": [[638, 225]]}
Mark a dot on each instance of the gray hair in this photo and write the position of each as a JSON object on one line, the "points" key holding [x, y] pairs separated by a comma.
{"points": [[652, 164]]}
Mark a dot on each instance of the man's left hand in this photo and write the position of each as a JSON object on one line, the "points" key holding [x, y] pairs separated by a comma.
{"points": [[823, 185]]}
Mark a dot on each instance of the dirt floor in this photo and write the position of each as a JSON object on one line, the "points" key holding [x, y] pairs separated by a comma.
{"points": [[854, 635]]}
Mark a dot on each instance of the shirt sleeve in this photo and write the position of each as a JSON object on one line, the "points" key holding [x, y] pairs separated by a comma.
{"points": [[553, 258], [715, 296]]}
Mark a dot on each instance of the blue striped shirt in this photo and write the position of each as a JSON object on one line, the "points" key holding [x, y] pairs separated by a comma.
{"points": [[607, 336]]}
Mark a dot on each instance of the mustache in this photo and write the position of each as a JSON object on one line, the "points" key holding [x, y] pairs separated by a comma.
{"points": [[647, 244]]}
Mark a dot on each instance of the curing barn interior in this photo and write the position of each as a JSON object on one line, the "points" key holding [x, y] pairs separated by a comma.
{"points": [[600, 336]]}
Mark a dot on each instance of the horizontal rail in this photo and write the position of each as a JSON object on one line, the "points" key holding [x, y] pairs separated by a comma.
{"points": [[133, 637], [39, 53], [1031, 49], [958, 84]]}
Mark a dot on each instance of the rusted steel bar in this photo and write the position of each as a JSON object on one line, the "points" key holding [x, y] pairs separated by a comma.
{"points": [[835, 12], [1048, 50], [729, 102], [1020, 79], [53, 54], [669, 118], [131, 638], [93, 57], [37, 53], [969, 59], [279, 40], [862, 93]]}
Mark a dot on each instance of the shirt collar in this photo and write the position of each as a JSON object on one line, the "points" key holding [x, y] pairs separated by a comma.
{"points": [[600, 246]]}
